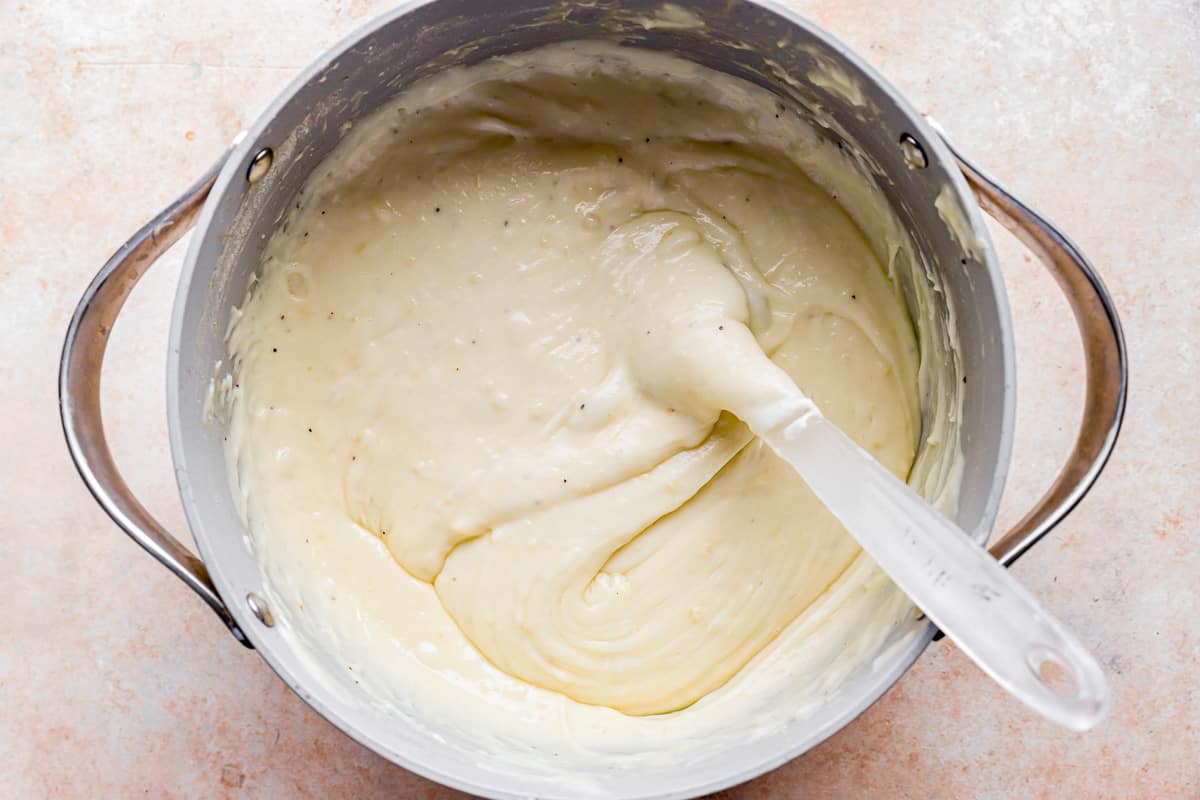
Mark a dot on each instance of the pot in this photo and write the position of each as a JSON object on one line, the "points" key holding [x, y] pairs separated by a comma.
{"points": [[236, 205]]}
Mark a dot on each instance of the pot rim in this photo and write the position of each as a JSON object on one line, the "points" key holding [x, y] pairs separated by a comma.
{"points": [[880, 681]]}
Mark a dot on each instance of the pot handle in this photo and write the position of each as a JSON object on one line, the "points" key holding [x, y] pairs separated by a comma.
{"points": [[79, 390], [1104, 353]]}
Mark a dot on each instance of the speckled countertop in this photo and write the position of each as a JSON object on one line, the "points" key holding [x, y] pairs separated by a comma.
{"points": [[116, 681]]}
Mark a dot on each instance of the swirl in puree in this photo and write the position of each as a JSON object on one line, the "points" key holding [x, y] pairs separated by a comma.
{"points": [[481, 419]]}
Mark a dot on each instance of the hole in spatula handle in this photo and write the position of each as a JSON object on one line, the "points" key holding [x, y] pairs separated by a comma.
{"points": [[1053, 671]]}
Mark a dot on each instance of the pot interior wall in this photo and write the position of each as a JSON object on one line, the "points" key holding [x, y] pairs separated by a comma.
{"points": [[764, 46]]}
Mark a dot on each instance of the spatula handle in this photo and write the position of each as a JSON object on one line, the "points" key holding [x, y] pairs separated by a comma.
{"points": [[992, 618]]}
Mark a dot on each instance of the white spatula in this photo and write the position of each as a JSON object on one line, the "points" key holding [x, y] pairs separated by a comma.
{"points": [[992, 618], [672, 281]]}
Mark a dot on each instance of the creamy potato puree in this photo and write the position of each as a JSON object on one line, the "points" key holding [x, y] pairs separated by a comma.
{"points": [[482, 391]]}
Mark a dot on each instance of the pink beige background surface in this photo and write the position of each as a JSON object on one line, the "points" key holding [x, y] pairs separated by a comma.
{"points": [[116, 682]]}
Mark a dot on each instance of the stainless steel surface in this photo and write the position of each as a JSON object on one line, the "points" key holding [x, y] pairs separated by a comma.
{"points": [[914, 154], [1105, 357], [260, 609], [79, 390], [302, 125], [259, 165]]}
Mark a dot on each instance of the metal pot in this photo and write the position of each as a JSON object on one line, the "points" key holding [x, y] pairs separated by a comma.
{"points": [[237, 203]]}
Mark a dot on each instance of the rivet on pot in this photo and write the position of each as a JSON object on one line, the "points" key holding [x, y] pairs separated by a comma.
{"points": [[260, 609], [914, 154], [259, 165]]}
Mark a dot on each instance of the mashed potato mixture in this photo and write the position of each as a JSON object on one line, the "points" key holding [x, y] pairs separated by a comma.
{"points": [[464, 461]]}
